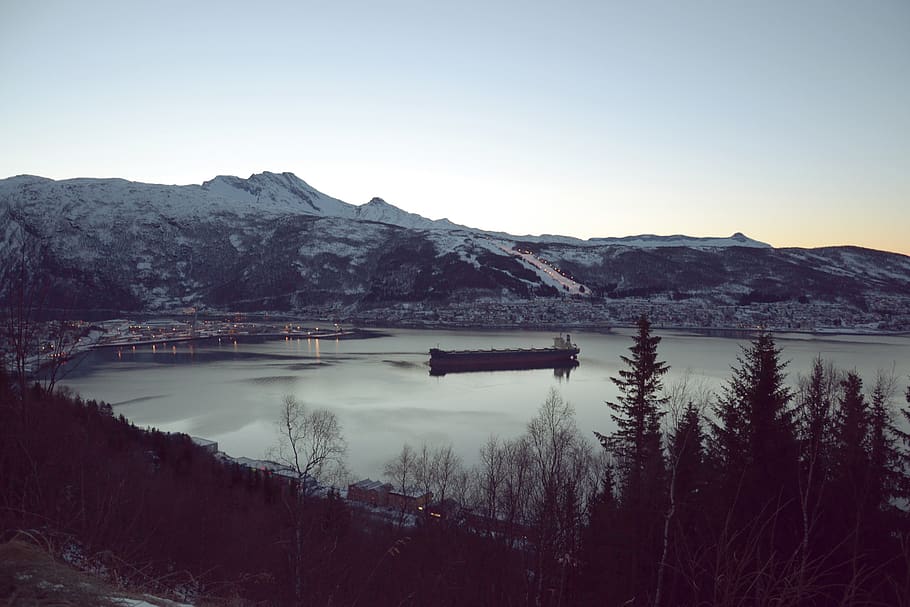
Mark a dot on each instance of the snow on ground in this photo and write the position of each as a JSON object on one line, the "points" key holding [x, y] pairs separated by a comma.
{"points": [[379, 210], [549, 274], [649, 241], [91, 203], [852, 263], [583, 256], [678, 240]]}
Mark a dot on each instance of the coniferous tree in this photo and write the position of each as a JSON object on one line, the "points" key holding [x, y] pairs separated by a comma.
{"points": [[867, 476], [686, 449], [816, 408], [753, 439], [604, 568], [686, 480], [886, 462], [637, 452], [851, 430], [636, 443]]}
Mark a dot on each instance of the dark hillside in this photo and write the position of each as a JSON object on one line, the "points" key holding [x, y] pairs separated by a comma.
{"points": [[160, 514]]}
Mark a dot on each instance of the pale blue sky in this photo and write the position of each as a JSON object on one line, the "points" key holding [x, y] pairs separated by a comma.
{"points": [[789, 121]]}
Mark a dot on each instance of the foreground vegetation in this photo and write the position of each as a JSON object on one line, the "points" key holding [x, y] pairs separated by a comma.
{"points": [[760, 495]]}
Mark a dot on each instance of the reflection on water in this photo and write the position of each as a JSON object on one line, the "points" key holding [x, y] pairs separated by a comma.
{"points": [[383, 395], [140, 399], [404, 364], [560, 370], [561, 373], [271, 379]]}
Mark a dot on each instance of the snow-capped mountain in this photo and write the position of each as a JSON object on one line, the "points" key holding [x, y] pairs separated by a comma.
{"points": [[678, 240], [262, 195], [272, 242]]}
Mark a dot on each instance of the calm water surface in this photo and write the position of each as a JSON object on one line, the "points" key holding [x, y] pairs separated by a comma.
{"points": [[383, 394]]}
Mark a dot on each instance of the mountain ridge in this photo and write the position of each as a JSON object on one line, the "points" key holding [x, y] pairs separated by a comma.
{"points": [[273, 243], [306, 199]]}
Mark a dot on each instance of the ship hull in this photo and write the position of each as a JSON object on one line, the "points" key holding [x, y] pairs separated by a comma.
{"points": [[448, 361]]}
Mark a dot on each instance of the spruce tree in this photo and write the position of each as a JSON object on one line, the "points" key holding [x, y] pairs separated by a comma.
{"points": [[636, 449], [604, 545], [683, 523], [868, 470], [851, 430], [636, 443], [816, 408], [753, 438], [686, 449], [886, 461]]}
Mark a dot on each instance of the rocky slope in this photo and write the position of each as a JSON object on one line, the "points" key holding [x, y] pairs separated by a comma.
{"points": [[272, 242]]}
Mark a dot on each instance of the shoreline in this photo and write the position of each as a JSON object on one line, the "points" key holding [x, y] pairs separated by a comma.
{"points": [[349, 334], [603, 328], [375, 330]]}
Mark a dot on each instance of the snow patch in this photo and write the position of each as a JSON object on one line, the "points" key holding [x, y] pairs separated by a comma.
{"points": [[237, 242]]}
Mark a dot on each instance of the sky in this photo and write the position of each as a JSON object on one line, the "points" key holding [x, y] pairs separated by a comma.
{"points": [[788, 121]]}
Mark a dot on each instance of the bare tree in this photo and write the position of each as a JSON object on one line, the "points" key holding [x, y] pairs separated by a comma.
{"points": [[434, 469], [489, 475], [23, 293], [461, 484], [59, 352], [310, 444], [563, 470], [517, 490], [30, 339], [424, 476], [401, 471], [447, 467]]}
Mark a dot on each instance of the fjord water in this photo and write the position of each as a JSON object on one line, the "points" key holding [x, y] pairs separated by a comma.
{"points": [[382, 392]]}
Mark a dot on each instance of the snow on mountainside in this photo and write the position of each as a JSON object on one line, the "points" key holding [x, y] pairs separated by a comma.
{"points": [[272, 242], [650, 240], [263, 194], [275, 192], [381, 211]]}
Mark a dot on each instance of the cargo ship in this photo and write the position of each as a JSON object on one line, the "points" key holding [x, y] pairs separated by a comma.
{"points": [[563, 354]]}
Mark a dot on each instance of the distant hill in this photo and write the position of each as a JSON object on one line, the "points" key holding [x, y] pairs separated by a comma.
{"points": [[272, 242]]}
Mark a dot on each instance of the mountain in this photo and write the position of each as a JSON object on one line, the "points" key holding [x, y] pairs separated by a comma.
{"points": [[263, 195], [273, 242], [651, 241]]}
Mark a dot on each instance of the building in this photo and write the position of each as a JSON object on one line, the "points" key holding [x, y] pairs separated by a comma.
{"points": [[367, 491], [409, 502], [377, 493]]}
